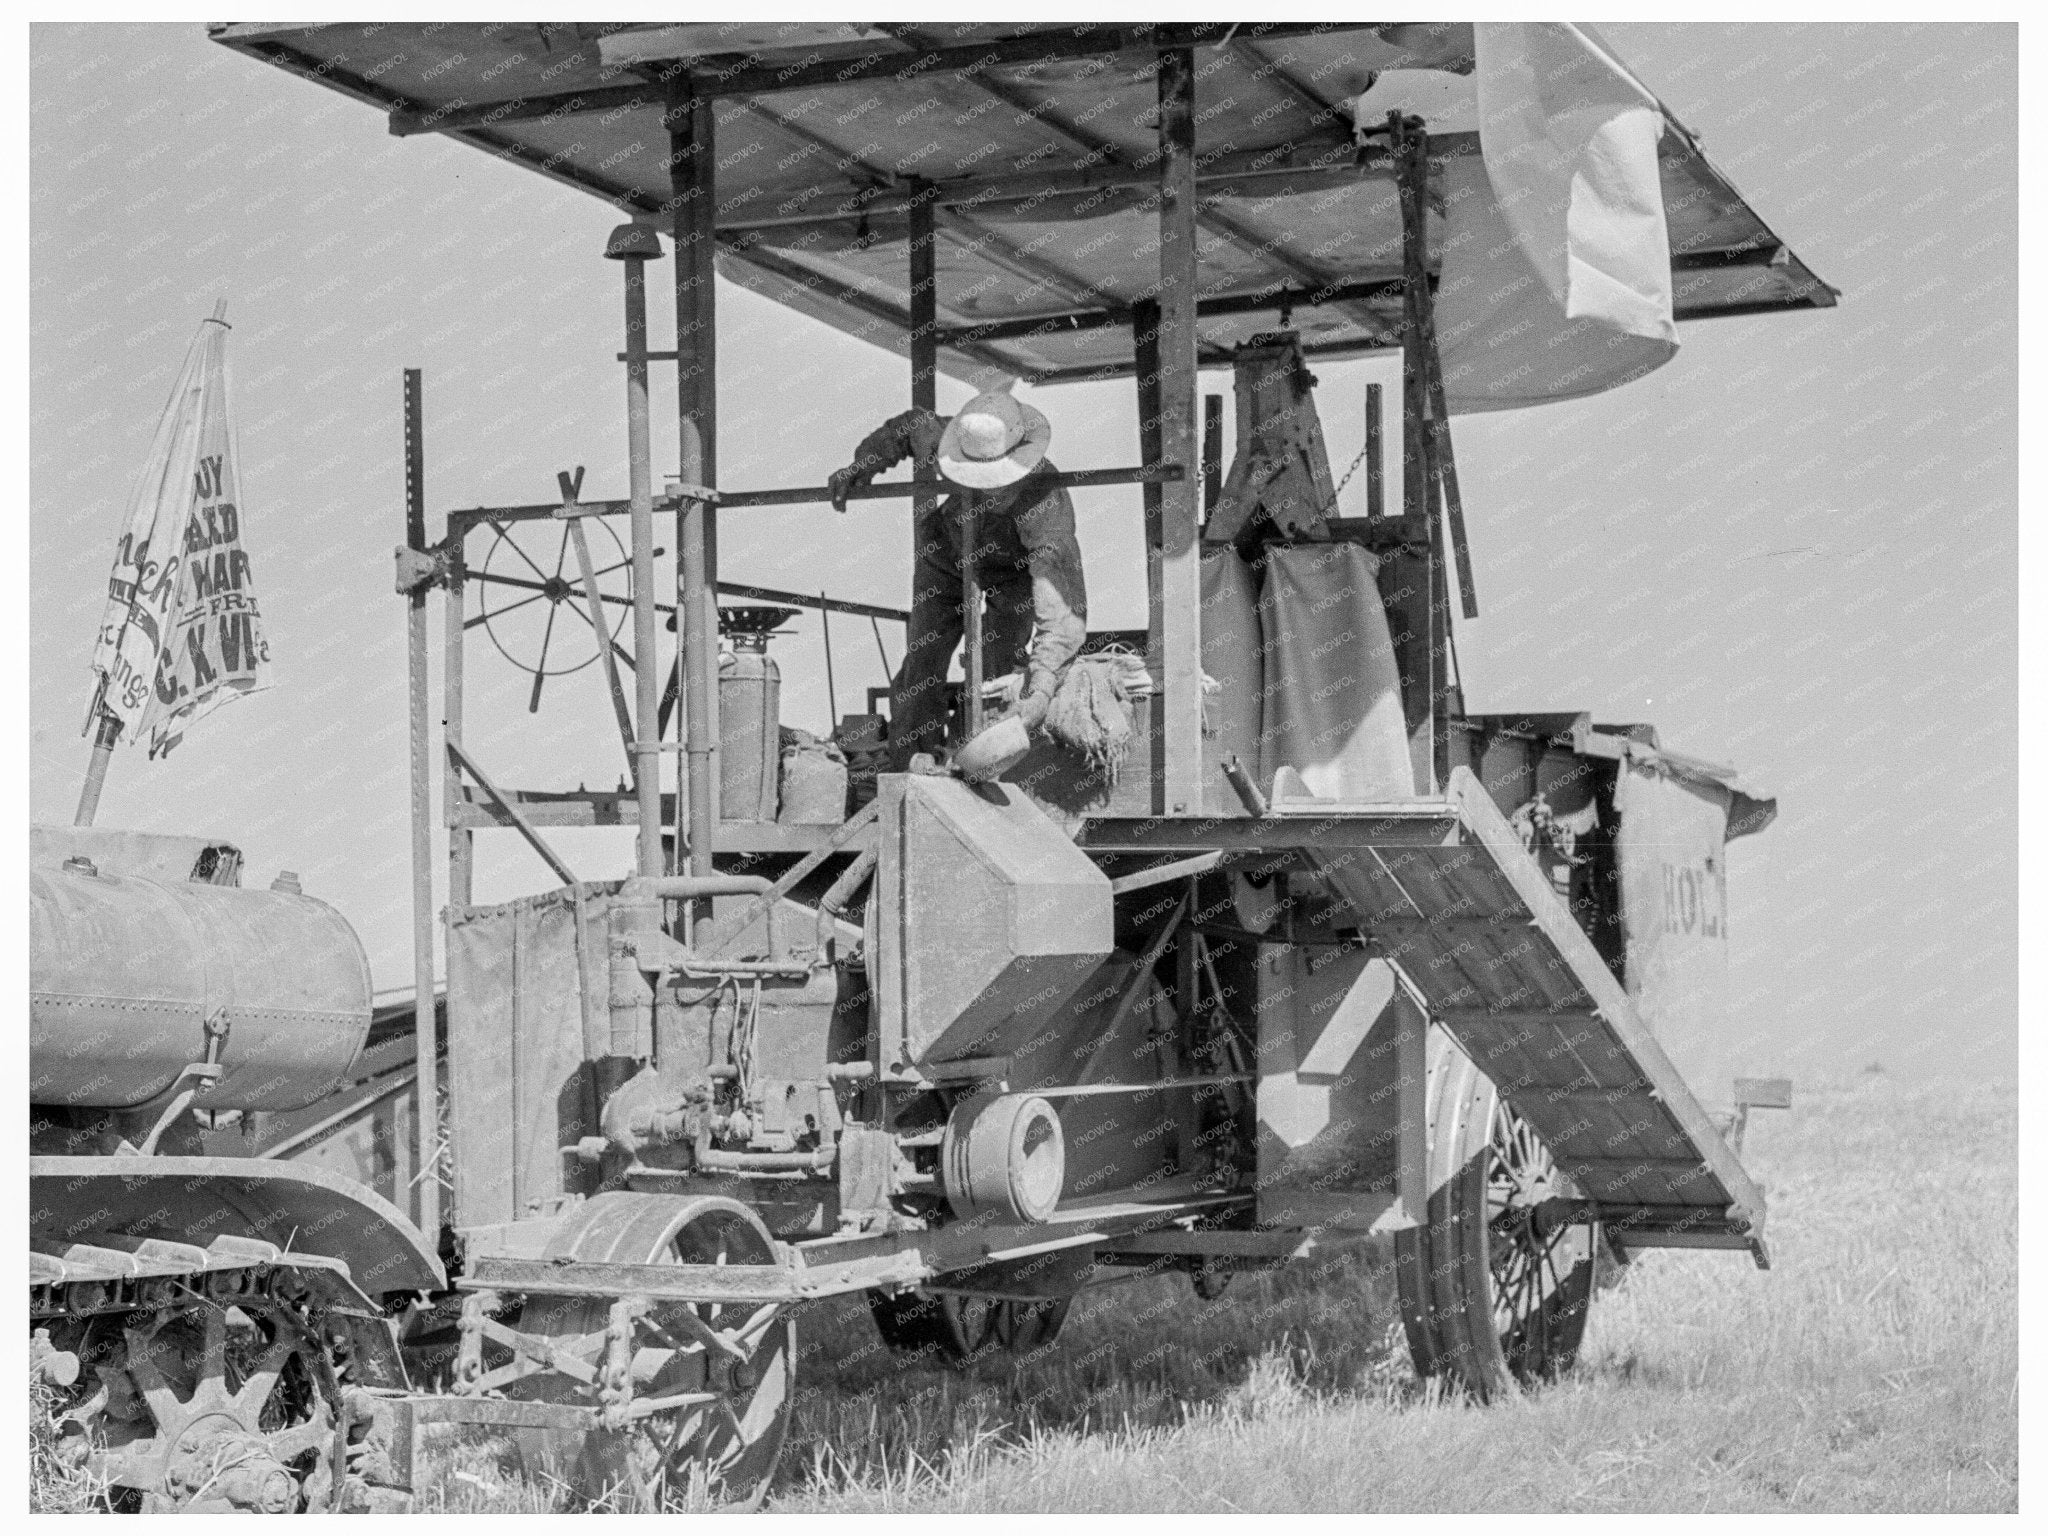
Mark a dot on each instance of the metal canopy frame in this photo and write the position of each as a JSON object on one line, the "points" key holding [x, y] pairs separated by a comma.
{"points": [[817, 186]]}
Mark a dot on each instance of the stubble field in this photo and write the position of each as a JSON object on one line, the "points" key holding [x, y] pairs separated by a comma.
{"points": [[1875, 1367]]}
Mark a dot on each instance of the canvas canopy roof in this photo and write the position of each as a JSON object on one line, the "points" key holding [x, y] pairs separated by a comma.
{"points": [[1037, 141]]}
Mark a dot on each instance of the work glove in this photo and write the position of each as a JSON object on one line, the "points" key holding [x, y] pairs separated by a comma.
{"points": [[1031, 709], [851, 478]]}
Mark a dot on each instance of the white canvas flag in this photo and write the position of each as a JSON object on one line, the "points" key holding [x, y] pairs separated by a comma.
{"points": [[1556, 277], [181, 634]]}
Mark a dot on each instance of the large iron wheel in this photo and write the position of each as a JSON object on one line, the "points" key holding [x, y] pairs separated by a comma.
{"points": [[957, 1329], [207, 1405], [713, 1383], [1493, 1294]]}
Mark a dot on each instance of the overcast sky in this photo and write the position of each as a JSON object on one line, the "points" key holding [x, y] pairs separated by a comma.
{"points": [[1793, 548]]}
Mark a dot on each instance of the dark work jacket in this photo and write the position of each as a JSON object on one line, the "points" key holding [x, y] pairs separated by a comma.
{"points": [[1022, 531]]}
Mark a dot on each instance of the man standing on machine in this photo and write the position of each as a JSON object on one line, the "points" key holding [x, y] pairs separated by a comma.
{"points": [[1025, 558]]}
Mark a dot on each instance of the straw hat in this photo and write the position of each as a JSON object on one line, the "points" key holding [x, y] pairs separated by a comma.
{"points": [[993, 441]]}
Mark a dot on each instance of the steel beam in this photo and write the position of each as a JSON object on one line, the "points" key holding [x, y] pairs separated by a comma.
{"points": [[694, 201], [924, 360], [1178, 590], [1026, 327], [1423, 824], [881, 310], [1306, 166], [973, 59], [426, 1046], [1407, 580], [646, 744]]}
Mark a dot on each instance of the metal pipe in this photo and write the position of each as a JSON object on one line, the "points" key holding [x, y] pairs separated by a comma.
{"points": [[819, 1161], [692, 887], [425, 1045], [693, 187], [831, 683], [646, 631], [850, 880], [1247, 789], [807, 495], [702, 887]]}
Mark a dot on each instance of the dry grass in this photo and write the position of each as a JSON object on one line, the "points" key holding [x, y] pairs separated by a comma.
{"points": [[1875, 1368], [55, 1485]]}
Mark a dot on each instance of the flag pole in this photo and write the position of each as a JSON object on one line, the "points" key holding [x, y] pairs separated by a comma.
{"points": [[109, 723], [96, 770]]}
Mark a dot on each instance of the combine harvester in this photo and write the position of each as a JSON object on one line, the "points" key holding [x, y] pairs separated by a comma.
{"points": [[1329, 958]]}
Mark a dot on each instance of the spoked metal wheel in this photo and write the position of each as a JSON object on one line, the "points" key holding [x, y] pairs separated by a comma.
{"points": [[713, 1382], [956, 1329], [1492, 1292], [528, 574]]}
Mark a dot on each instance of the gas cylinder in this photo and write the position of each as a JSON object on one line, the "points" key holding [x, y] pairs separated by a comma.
{"points": [[749, 715]]}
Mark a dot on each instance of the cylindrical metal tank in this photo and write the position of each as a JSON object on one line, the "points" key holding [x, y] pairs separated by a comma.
{"points": [[125, 972], [749, 735]]}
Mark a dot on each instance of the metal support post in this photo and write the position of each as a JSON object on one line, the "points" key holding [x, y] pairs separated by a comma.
{"points": [[924, 396], [646, 631], [1179, 589], [1212, 452], [1407, 575], [1145, 369], [426, 1048], [1411, 1109], [693, 192], [1375, 453], [461, 839]]}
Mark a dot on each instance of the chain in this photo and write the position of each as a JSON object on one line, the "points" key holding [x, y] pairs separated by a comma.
{"points": [[1362, 452]]}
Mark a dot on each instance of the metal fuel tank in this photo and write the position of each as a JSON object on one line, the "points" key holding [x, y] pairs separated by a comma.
{"points": [[125, 973]]}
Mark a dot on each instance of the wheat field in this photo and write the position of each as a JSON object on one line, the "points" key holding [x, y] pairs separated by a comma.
{"points": [[1874, 1368]]}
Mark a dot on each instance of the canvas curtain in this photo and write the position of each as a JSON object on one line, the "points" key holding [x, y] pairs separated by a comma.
{"points": [[1556, 279]]}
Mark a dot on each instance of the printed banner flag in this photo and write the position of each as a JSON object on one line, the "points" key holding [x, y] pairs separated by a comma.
{"points": [[181, 634]]}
